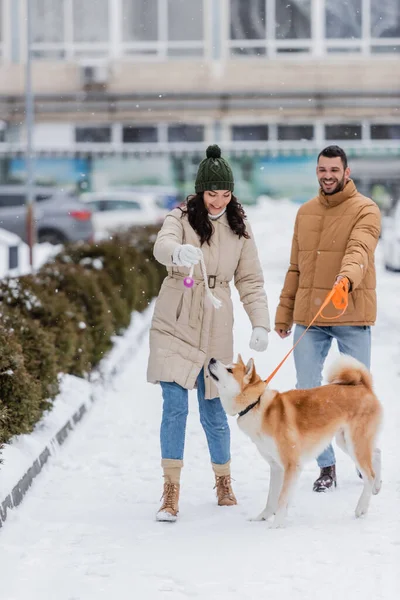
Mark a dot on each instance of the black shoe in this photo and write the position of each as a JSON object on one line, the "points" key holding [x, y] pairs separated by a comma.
{"points": [[326, 481]]}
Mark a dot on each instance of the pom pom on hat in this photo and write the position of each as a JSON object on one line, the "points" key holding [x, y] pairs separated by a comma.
{"points": [[213, 151]]}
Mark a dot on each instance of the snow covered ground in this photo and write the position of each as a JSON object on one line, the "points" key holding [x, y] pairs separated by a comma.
{"points": [[86, 529]]}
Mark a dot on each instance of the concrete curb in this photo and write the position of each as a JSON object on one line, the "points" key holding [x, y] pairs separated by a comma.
{"points": [[20, 489]]}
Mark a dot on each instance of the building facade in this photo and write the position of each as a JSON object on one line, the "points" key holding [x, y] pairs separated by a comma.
{"points": [[131, 91]]}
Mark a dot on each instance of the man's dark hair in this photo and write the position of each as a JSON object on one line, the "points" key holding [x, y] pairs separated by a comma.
{"points": [[333, 152]]}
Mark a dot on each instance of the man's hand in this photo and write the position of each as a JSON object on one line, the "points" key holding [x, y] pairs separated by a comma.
{"points": [[283, 333], [340, 277]]}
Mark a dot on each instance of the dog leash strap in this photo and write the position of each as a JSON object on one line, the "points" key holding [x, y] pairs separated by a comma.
{"points": [[339, 297]]}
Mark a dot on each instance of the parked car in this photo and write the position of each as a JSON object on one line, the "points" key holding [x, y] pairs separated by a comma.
{"points": [[166, 196], [391, 239], [114, 209], [60, 217]]}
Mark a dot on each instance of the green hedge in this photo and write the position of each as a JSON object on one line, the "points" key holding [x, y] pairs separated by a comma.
{"points": [[62, 319]]}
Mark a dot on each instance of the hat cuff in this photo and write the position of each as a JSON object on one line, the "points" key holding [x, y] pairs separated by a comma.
{"points": [[210, 186]]}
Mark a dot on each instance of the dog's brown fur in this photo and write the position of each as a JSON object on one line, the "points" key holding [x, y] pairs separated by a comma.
{"points": [[292, 427]]}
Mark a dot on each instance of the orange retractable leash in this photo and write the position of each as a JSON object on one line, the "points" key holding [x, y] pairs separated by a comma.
{"points": [[339, 295]]}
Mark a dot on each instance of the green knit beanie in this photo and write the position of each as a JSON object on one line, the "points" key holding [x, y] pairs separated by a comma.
{"points": [[214, 172]]}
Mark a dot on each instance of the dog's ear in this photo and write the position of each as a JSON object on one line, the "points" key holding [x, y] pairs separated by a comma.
{"points": [[250, 372], [240, 360]]}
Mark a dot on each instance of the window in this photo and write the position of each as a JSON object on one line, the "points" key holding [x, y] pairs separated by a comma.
{"points": [[343, 132], [163, 27], [250, 133], [385, 19], [263, 26], [271, 27], [185, 133], [288, 133], [67, 28], [12, 200], [136, 134], [90, 21], [122, 205], [98, 135], [343, 19], [385, 132], [140, 20], [293, 19]]}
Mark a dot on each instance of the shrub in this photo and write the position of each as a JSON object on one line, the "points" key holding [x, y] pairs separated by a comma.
{"points": [[20, 394], [62, 319], [83, 291]]}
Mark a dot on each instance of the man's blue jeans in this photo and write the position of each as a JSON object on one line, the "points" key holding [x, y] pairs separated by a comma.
{"points": [[173, 424], [310, 355]]}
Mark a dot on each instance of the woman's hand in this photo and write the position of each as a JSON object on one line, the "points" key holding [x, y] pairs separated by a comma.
{"points": [[259, 339], [186, 255]]}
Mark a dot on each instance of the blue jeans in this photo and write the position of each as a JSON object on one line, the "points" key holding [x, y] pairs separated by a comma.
{"points": [[310, 355], [173, 424]]}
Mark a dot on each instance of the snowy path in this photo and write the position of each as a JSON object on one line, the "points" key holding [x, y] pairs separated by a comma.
{"points": [[86, 530]]}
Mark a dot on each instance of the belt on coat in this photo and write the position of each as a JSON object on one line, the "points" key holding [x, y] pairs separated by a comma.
{"points": [[198, 293]]}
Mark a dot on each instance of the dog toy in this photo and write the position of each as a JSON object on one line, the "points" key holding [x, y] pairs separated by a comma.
{"points": [[188, 282]]}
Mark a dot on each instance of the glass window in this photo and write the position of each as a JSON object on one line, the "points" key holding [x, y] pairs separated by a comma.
{"points": [[185, 133], [292, 19], [47, 21], [385, 19], [185, 20], [93, 135], [12, 200], [250, 133], [295, 132], [343, 19], [122, 205], [390, 131], [248, 20], [91, 20], [139, 20], [135, 134], [343, 132]]}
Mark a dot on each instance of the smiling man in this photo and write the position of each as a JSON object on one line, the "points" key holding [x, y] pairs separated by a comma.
{"points": [[335, 237]]}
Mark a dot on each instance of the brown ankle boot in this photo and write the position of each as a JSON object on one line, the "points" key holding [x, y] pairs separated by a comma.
{"points": [[170, 507], [326, 481], [225, 495]]}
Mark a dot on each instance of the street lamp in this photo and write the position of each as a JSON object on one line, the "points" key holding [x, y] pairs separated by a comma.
{"points": [[29, 118]]}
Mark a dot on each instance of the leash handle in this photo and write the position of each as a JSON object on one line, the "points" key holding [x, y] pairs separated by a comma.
{"points": [[339, 295]]}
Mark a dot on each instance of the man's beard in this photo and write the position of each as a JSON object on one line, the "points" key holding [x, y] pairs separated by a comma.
{"points": [[335, 190]]}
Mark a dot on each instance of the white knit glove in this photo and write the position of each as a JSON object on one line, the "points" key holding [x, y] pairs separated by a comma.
{"points": [[259, 339], [186, 255]]}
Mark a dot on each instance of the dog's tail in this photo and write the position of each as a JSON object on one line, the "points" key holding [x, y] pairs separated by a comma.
{"points": [[346, 370]]}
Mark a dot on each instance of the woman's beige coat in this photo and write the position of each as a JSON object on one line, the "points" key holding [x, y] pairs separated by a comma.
{"points": [[186, 329]]}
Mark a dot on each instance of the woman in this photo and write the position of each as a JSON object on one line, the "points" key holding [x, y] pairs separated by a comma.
{"points": [[187, 330]]}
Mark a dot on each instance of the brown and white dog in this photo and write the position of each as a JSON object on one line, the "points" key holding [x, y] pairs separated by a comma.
{"points": [[293, 427]]}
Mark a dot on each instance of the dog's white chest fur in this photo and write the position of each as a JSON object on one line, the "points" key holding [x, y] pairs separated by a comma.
{"points": [[265, 444], [268, 449]]}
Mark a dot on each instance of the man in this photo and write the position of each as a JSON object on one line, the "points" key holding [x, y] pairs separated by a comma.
{"points": [[335, 237]]}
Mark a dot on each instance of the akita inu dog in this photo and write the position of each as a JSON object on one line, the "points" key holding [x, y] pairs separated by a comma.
{"points": [[292, 427]]}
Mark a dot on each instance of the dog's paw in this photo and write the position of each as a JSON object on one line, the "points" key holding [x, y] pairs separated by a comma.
{"points": [[361, 510], [277, 524], [377, 487], [263, 516], [259, 517]]}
